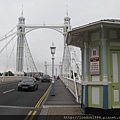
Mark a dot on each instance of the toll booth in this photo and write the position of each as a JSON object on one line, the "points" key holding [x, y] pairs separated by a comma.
{"points": [[100, 50]]}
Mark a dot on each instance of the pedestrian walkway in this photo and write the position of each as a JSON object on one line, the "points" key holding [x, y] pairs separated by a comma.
{"points": [[63, 103]]}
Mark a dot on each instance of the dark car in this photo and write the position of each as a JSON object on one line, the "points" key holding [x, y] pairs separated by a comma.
{"points": [[46, 78], [58, 77], [37, 78], [28, 84]]}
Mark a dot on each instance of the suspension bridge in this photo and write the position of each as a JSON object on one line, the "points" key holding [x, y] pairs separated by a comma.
{"points": [[69, 67], [23, 52]]}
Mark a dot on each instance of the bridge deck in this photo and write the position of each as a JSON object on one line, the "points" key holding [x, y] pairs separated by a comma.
{"points": [[63, 103]]}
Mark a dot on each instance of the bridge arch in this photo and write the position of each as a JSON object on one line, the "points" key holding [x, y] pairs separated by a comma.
{"points": [[45, 55], [42, 27]]}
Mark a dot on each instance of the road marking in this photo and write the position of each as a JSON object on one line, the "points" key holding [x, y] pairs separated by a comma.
{"points": [[8, 91], [26, 118], [42, 98], [34, 113], [31, 114]]}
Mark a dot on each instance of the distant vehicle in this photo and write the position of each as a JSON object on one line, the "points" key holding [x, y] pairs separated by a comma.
{"points": [[58, 77], [36, 76], [28, 84], [46, 78]]}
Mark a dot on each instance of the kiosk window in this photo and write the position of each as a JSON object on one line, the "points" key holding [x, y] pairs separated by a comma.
{"points": [[94, 52]]}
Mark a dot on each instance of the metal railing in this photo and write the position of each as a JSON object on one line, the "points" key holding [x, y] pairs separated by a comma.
{"points": [[74, 85]]}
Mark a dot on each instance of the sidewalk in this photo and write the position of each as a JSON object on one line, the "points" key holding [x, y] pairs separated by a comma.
{"points": [[63, 103]]}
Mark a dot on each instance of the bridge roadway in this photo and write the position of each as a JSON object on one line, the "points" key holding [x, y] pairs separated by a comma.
{"points": [[28, 104], [14, 102]]}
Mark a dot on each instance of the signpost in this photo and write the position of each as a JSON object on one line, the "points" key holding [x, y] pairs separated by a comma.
{"points": [[94, 61]]}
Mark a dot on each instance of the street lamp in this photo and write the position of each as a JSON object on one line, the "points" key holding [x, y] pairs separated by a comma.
{"points": [[53, 81]]}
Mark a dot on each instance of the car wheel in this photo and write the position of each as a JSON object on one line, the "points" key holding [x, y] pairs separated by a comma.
{"points": [[33, 88], [18, 89], [37, 87]]}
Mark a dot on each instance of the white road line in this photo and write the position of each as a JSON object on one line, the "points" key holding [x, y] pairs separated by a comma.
{"points": [[8, 91]]}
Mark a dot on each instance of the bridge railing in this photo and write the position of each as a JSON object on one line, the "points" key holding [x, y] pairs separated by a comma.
{"points": [[74, 85]]}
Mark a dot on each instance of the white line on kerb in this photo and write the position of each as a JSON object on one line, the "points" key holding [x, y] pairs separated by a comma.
{"points": [[8, 91]]}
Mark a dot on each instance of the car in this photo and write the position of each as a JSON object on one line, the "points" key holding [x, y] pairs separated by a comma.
{"points": [[46, 78], [37, 78], [58, 78], [28, 84]]}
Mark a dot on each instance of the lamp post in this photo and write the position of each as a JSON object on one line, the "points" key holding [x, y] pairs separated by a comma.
{"points": [[53, 81]]}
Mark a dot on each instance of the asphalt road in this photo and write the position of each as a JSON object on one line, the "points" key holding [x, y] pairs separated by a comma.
{"points": [[14, 102]]}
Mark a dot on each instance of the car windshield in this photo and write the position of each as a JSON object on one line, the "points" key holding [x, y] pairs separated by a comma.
{"points": [[28, 80], [46, 76]]}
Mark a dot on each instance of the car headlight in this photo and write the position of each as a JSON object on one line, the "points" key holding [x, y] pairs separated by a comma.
{"points": [[32, 85], [19, 84]]}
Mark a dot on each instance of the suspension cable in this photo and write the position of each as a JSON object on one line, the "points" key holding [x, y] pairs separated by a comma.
{"points": [[8, 33], [6, 55], [30, 54], [10, 56], [7, 43], [27, 58], [8, 36]]}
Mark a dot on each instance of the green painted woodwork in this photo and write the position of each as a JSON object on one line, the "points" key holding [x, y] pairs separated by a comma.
{"points": [[109, 48], [115, 86], [84, 95], [100, 105]]}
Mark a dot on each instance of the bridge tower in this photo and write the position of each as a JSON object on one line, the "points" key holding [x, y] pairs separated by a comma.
{"points": [[20, 46], [65, 67]]}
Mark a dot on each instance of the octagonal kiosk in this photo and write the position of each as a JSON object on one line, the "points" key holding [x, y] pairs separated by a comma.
{"points": [[100, 50]]}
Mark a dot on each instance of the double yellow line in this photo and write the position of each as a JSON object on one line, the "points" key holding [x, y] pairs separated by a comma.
{"points": [[42, 98], [31, 114]]}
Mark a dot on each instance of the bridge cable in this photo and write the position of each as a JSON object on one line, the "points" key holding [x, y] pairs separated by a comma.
{"points": [[27, 58], [6, 55], [30, 54], [8, 33], [7, 36], [10, 56], [7, 43]]}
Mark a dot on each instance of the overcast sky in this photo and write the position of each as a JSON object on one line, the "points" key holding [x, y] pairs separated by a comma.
{"points": [[52, 12]]}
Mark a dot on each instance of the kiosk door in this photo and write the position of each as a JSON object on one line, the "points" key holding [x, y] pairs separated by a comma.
{"points": [[115, 78]]}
